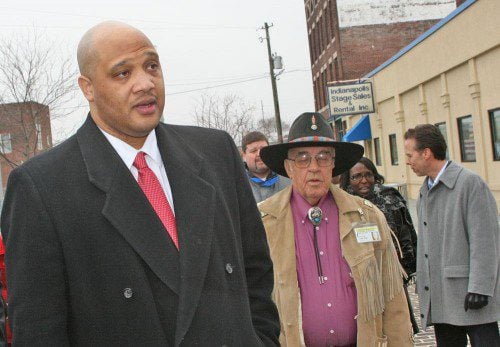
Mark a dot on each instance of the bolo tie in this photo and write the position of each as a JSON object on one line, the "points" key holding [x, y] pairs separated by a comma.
{"points": [[315, 215]]}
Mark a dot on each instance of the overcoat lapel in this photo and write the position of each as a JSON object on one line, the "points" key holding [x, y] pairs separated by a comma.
{"points": [[194, 202], [126, 207], [129, 211]]}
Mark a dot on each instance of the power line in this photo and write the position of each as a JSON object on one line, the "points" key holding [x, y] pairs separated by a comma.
{"points": [[225, 78], [216, 86], [232, 83], [218, 80]]}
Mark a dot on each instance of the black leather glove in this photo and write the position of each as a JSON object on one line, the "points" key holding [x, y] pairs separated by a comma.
{"points": [[475, 301]]}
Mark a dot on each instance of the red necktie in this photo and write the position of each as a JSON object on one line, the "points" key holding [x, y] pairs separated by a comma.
{"points": [[154, 192]]}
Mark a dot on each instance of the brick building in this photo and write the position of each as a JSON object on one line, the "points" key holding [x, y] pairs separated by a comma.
{"points": [[24, 132], [348, 39]]}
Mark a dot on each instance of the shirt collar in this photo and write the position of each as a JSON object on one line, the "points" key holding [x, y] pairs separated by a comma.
{"points": [[303, 206], [128, 153], [430, 182]]}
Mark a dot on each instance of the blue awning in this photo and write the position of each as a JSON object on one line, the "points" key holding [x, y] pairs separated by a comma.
{"points": [[360, 131]]}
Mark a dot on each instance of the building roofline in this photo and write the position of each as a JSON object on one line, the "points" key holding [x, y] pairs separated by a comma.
{"points": [[422, 37], [12, 104]]}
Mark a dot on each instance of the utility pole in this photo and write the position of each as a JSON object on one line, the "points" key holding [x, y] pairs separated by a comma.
{"points": [[273, 84]]}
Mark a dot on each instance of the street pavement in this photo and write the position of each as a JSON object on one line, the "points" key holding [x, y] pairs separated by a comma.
{"points": [[423, 338]]}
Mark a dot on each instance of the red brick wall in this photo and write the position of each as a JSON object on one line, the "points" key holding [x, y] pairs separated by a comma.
{"points": [[366, 47], [10, 123], [358, 50], [321, 18]]}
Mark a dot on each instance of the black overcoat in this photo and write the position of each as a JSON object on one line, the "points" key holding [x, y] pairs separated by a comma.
{"points": [[89, 262]]}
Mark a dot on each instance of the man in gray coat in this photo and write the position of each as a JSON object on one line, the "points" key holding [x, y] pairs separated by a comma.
{"points": [[263, 181], [458, 245]]}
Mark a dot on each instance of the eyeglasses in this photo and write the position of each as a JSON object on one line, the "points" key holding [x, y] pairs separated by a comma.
{"points": [[304, 160], [359, 176]]}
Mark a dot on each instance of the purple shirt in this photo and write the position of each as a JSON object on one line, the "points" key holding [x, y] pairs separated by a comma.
{"points": [[329, 309]]}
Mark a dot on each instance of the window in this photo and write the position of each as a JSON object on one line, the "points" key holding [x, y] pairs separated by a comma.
{"points": [[39, 143], [5, 143], [333, 17], [466, 136], [340, 127], [495, 132], [442, 129], [336, 69], [324, 91], [316, 43], [321, 34], [376, 144], [316, 95], [394, 149], [325, 31], [311, 50], [328, 20]]}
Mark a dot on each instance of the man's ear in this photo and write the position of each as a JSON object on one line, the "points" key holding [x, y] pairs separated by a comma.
{"points": [[87, 88], [288, 168], [427, 153]]}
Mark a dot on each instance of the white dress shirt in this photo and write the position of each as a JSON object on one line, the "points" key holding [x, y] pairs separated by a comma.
{"points": [[153, 159], [430, 182]]}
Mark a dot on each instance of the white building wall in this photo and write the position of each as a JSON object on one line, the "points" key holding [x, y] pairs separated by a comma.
{"points": [[368, 12]]}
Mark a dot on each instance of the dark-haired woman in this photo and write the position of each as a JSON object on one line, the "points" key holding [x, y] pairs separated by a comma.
{"points": [[364, 180]]}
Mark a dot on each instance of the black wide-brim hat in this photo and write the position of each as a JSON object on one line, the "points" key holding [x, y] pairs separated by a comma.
{"points": [[311, 130]]}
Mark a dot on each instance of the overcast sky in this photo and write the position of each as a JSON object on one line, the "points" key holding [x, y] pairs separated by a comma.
{"points": [[201, 44]]}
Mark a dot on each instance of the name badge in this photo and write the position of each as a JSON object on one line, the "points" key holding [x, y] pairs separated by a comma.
{"points": [[367, 233]]}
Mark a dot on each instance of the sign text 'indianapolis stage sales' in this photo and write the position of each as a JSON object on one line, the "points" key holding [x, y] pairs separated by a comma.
{"points": [[347, 99]]}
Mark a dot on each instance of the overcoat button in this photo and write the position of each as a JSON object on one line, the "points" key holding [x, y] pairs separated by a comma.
{"points": [[128, 293], [229, 268], [426, 288], [426, 255], [425, 223], [421, 315]]}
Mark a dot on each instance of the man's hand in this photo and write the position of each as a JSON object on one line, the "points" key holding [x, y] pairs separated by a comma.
{"points": [[475, 301]]}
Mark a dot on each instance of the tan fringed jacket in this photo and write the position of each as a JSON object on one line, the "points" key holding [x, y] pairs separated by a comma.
{"points": [[383, 317]]}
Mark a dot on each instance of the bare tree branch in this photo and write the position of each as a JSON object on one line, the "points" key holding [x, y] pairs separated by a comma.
{"points": [[33, 74], [229, 113]]}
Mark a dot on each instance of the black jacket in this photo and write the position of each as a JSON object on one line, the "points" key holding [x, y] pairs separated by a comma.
{"points": [[90, 263], [396, 211]]}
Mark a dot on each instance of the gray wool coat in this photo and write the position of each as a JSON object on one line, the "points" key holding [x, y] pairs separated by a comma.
{"points": [[458, 249]]}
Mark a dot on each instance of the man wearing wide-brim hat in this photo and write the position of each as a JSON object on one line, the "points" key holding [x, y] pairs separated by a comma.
{"points": [[337, 281]]}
